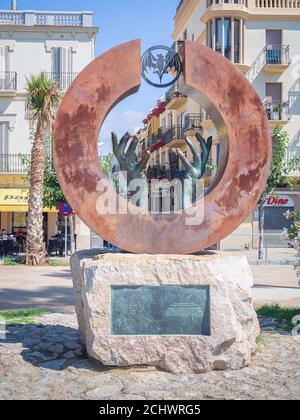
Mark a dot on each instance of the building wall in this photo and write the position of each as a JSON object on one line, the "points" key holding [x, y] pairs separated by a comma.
{"points": [[31, 53], [27, 49]]}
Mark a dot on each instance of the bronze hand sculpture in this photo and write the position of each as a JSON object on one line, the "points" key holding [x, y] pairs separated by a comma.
{"points": [[196, 170], [128, 160]]}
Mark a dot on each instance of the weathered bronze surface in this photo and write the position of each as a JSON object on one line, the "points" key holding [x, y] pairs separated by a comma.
{"points": [[107, 81]]}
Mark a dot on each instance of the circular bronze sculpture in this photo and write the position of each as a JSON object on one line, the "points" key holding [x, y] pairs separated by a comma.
{"points": [[240, 119]]}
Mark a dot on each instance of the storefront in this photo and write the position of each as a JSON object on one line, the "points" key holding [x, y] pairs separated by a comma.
{"points": [[13, 213], [247, 235]]}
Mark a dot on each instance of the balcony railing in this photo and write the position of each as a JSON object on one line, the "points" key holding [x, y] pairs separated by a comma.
{"points": [[172, 93], [277, 54], [63, 80], [276, 110], [271, 55], [39, 18], [174, 133], [278, 4], [8, 81], [193, 121], [216, 2], [13, 163]]}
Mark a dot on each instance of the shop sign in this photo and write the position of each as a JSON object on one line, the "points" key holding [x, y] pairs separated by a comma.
{"points": [[279, 201]]}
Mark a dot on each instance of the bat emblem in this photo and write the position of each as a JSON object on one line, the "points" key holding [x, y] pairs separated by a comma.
{"points": [[162, 62]]}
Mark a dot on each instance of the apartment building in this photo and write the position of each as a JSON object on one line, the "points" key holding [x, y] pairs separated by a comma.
{"points": [[61, 44], [261, 37]]}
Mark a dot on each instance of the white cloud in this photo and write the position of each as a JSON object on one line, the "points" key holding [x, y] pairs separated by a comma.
{"points": [[121, 123]]}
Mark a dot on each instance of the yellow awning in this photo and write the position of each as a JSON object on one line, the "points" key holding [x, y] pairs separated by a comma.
{"points": [[16, 201]]}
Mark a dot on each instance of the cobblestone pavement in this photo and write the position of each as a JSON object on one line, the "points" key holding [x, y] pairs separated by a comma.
{"points": [[46, 361]]}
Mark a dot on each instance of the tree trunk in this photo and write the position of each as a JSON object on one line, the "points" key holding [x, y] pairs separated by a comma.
{"points": [[261, 225], [35, 245], [72, 234]]}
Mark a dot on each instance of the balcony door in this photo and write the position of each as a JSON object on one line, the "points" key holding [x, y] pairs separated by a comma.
{"points": [[4, 68], [274, 92], [4, 149], [274, 37], [62, 66], [274, 43]]}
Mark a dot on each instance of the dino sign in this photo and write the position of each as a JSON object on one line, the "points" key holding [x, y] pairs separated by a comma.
{"points": [[238, 115], [161, 61]]}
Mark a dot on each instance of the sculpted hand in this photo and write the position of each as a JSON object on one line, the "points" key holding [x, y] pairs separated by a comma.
{"points": [[128, 160], [196, 169]]}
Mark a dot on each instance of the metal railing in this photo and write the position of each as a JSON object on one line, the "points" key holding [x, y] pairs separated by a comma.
{"points": [[8, 81], [193, 121], [277, 250], [276, 110], [277, 54], [63, 80], [172, 93], [12, 163], [174, 133], [271, 55]]}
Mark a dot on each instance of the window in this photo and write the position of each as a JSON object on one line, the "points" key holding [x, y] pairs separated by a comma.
{"points": [[230, 44], [4, 138], [19, 222], [237, 30], [227, 38], [4, 59], [274, 91], [62, 66], [219, 35], [210, 32], [5, 79]]}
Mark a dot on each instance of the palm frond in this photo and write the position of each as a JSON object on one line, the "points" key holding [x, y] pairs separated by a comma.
{"points": [[42, 98]]}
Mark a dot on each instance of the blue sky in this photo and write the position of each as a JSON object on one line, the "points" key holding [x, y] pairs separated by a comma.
{"points": [[120, 21]]}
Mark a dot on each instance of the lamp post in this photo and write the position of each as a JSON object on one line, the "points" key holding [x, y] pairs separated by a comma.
{"points": [[13, 4]]}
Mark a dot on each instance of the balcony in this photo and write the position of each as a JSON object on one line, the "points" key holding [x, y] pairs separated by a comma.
{"points": [[243, 9], [192, 123], [12, 164], [174, 99], [277, 111], [8, 83], [276, 58], [40, 18], [175, 136], [277, 4], [63, 80], [272, 59]]}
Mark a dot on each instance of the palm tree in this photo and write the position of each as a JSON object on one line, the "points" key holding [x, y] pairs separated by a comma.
{"points": [[42, 102]]}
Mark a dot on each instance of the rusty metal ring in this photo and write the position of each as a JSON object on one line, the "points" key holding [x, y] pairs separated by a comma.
{"points": [[117, 74]]}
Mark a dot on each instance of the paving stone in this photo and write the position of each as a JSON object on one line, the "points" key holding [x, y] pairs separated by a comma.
{"points": [[273, 373]]}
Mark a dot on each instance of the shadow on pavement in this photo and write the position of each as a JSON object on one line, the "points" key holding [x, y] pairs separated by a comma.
{"points": [[54, 298], [54, 347]]}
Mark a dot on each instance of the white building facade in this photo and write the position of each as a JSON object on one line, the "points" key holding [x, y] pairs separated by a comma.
{"points": [[60, 44]]}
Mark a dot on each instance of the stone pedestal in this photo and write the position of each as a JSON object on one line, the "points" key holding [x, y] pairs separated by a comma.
{"points": [[163, 293]]}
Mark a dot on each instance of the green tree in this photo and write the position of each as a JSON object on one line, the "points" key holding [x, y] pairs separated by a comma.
{"points": [[53, 195], [281, 170], [42, 101]]}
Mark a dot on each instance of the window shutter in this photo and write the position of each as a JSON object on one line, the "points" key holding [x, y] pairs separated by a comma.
{"points": [[2, 63], [7, 59], [4, 138], [70, 61]]}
